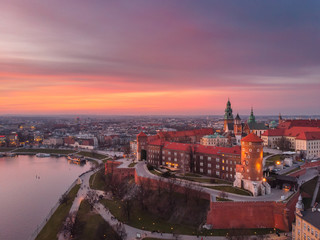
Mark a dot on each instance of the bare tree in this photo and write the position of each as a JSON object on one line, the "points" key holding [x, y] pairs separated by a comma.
{"points": [[197, 194], [187, 190], [64, 199], [223, 195]]}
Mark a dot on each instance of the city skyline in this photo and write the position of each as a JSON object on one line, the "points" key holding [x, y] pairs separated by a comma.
{"points": [[159, 57]]}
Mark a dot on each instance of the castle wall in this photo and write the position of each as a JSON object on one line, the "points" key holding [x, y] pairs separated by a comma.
{"points": [[225, 215]]}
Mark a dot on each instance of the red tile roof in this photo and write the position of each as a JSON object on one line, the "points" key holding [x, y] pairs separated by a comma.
{"points": [[141, 134], [177, 146], [217, 150], [274, 132], [309, 136], [296, 132], [195, 132], [157, 142], [251, 138], [299, 123]]}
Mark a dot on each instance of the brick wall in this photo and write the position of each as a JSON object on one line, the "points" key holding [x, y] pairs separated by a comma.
{"points": [[224, 215]]}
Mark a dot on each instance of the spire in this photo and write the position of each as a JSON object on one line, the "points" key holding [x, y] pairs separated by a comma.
{"points": [[252, 118], [228, 111], [299, 205]]}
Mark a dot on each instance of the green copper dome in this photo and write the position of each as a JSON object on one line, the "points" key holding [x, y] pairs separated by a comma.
{"points": [[228, 111]]}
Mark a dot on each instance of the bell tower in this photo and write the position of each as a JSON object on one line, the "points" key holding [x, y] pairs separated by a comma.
{"points": [[228, 116]]}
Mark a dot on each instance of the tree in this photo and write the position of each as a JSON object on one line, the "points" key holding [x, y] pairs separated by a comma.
{"points": [[64, 199], [223, 195], [283, 144], [187, 190]]}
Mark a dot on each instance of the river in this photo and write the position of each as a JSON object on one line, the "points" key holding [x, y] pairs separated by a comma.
{"points": [[29, 188]]}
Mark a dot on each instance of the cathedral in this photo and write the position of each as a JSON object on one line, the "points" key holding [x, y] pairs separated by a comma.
{"points": [[234, 127]]}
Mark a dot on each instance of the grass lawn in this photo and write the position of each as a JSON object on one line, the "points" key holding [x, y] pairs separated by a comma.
{"points": [[132, 164], [231, 189], [53, 226], [97, 180], [5, 149], [192, 175], [155, 172], [272, 160], [90, 225], [92, 155], [45, 150], [146, 221]]}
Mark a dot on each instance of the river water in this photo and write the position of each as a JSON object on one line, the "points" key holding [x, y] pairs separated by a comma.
{"points": [[25, 200]]}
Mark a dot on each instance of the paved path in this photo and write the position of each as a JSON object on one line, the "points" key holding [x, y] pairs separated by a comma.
{"points": [[82, 193]]}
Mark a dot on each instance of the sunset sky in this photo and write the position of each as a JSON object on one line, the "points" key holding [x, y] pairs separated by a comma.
{"points": [[159, 56]]}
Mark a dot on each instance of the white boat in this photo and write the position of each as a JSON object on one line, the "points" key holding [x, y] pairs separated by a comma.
{"points": [[43, 155]]}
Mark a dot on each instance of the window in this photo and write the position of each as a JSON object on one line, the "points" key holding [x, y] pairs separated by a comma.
{"points": [[201, 163], [181, 154], [217, 173], [209, 171], [222, 167], [258, 150], [226, 161], [175, 153], [230, 168], [209, 165], [222, 160], [175, 159], [217, 159], [217, 166], [169, 158], [201, 157], [209, 158], [201, 170]]}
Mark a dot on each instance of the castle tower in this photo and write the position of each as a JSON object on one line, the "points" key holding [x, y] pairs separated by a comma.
{"points": [[249, 174], [280, 118], [252, 118], [299, 206], [228, 116], [237, 129], [142, 140]]}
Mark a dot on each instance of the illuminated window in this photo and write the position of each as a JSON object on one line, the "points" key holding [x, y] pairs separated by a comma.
{"points": [[222, 167]]}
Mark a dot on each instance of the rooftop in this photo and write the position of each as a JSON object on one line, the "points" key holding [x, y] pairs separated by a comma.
{"points": [[251, 138], [312, 217]]}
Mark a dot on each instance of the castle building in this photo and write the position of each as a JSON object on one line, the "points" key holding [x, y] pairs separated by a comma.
{"points": [[214, 140], [188, 155], [303, 136], [249, 174], [307, 224], [238, 129]]}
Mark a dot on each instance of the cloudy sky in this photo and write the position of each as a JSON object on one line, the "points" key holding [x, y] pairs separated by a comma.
{"points": [[159, 56]]}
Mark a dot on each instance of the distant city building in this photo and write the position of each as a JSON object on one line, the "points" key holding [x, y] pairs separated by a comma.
{"points": [[53, 141]]}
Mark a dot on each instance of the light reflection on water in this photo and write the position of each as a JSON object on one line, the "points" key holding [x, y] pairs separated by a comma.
{"points": [[25, 200]]}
